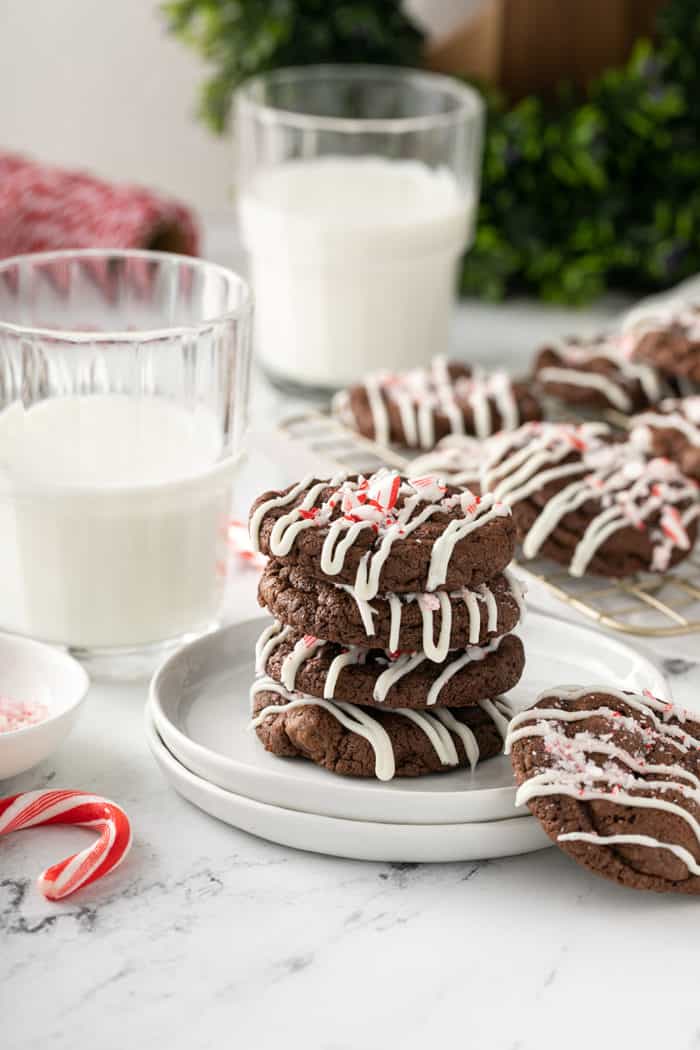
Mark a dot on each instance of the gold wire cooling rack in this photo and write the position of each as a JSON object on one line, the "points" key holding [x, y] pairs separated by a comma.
{"points": [[648, 605]]}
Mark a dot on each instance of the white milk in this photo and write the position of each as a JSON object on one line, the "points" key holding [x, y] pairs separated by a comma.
{"points": [[353, 264], [112, 517]]}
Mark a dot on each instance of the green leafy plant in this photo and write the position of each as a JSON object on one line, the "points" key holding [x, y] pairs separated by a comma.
{"points": [[577, 197], [239, 38]]}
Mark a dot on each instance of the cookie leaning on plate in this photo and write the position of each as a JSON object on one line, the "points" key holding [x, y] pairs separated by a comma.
{"points": [[385, 534], [614, 779]]}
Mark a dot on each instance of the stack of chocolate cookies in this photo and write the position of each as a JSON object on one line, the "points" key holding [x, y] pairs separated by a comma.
{"points": [[393, 608]]}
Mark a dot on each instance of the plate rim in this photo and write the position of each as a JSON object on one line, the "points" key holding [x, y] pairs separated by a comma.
{"points": [[301, 819]]}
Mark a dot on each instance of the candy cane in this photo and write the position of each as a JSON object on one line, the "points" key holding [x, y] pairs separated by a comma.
{"points": [[33, 808]]}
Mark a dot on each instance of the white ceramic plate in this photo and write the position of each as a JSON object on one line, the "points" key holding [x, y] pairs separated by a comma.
{"points": [[31, 671], [199, 703], [356, 839]]}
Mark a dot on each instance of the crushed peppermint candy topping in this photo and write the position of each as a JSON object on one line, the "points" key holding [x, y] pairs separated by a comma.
{"points": [[18, 714], [309, 641]]}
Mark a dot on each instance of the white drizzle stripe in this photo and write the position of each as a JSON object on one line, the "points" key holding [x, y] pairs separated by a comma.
{"points": [[628, 487], [672, 421], [681, 852], [367, 613], [437, 734], [499, 712], [395, 611], [465, 734], [269, 640], [357, 720], [293, 661], [580, 781], [610, 349], [354, 655], [473, 654], [591, 380], [436, 651], [378, 409], [397, 670]]}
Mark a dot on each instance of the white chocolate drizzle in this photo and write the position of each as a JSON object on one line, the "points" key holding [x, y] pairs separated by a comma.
{"points": [[629, 488], [397, 667], [681, 414], [430, 603], [572, 770], [437, 726], [575, 370], [422, 393], [371, 503]]}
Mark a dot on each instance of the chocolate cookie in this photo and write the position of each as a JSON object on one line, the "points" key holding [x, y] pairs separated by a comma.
{"points": [[672, 430], [354, 741], [614, 779], [669, 340], [594, 506], [415, 409], [432, 622], [596, 373], [385, 533], [372, 677]]}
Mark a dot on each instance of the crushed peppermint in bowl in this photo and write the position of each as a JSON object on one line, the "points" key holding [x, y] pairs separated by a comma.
{"points": [[42, 689], [18, 714]]}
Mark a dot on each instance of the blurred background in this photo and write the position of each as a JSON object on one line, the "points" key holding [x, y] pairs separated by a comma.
{"points": [[592, 164]]}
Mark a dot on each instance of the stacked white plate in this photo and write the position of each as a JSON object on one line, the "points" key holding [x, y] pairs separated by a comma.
{"points": [[197, 719]]}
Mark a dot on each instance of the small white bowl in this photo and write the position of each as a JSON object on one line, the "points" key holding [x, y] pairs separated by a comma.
{"points": [[37, 673]]}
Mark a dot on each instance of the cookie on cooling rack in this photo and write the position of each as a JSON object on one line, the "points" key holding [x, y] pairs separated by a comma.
{"points": [[407, 622], [669, 340], [672, 430], [374, 677], [596, 373], [614, 779], [415, 409], [385, 533], [365, 742], [592, 503]]}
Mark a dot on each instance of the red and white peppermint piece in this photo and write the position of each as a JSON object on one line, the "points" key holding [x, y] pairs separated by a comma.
{"points": [[309, 641], [239, 540], [384, 490], [429, 601], [673, 528], [429, 487], [34, 808]]}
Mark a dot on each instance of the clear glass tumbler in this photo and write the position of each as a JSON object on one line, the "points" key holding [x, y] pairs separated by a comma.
{"points": [[357, 190], [123, 399]]}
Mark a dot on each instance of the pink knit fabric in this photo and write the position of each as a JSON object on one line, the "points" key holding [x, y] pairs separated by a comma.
{"points": [[44, 209]]}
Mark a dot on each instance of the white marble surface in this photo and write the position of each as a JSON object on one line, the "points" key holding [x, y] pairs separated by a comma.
{"points": [[209, 938]]}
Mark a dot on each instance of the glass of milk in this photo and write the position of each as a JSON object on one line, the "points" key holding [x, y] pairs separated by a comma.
{"points": [[123, 395], [357, 188]]}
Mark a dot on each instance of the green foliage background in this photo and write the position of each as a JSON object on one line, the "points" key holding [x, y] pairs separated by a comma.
{"points": [[583, 195]]}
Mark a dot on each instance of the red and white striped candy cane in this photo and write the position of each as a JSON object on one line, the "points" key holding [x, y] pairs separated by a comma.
{"points": [[33, 808]]}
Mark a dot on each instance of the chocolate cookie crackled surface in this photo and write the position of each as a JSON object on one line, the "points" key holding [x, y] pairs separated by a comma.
{"points": [[393, 608], [614, 779]]}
